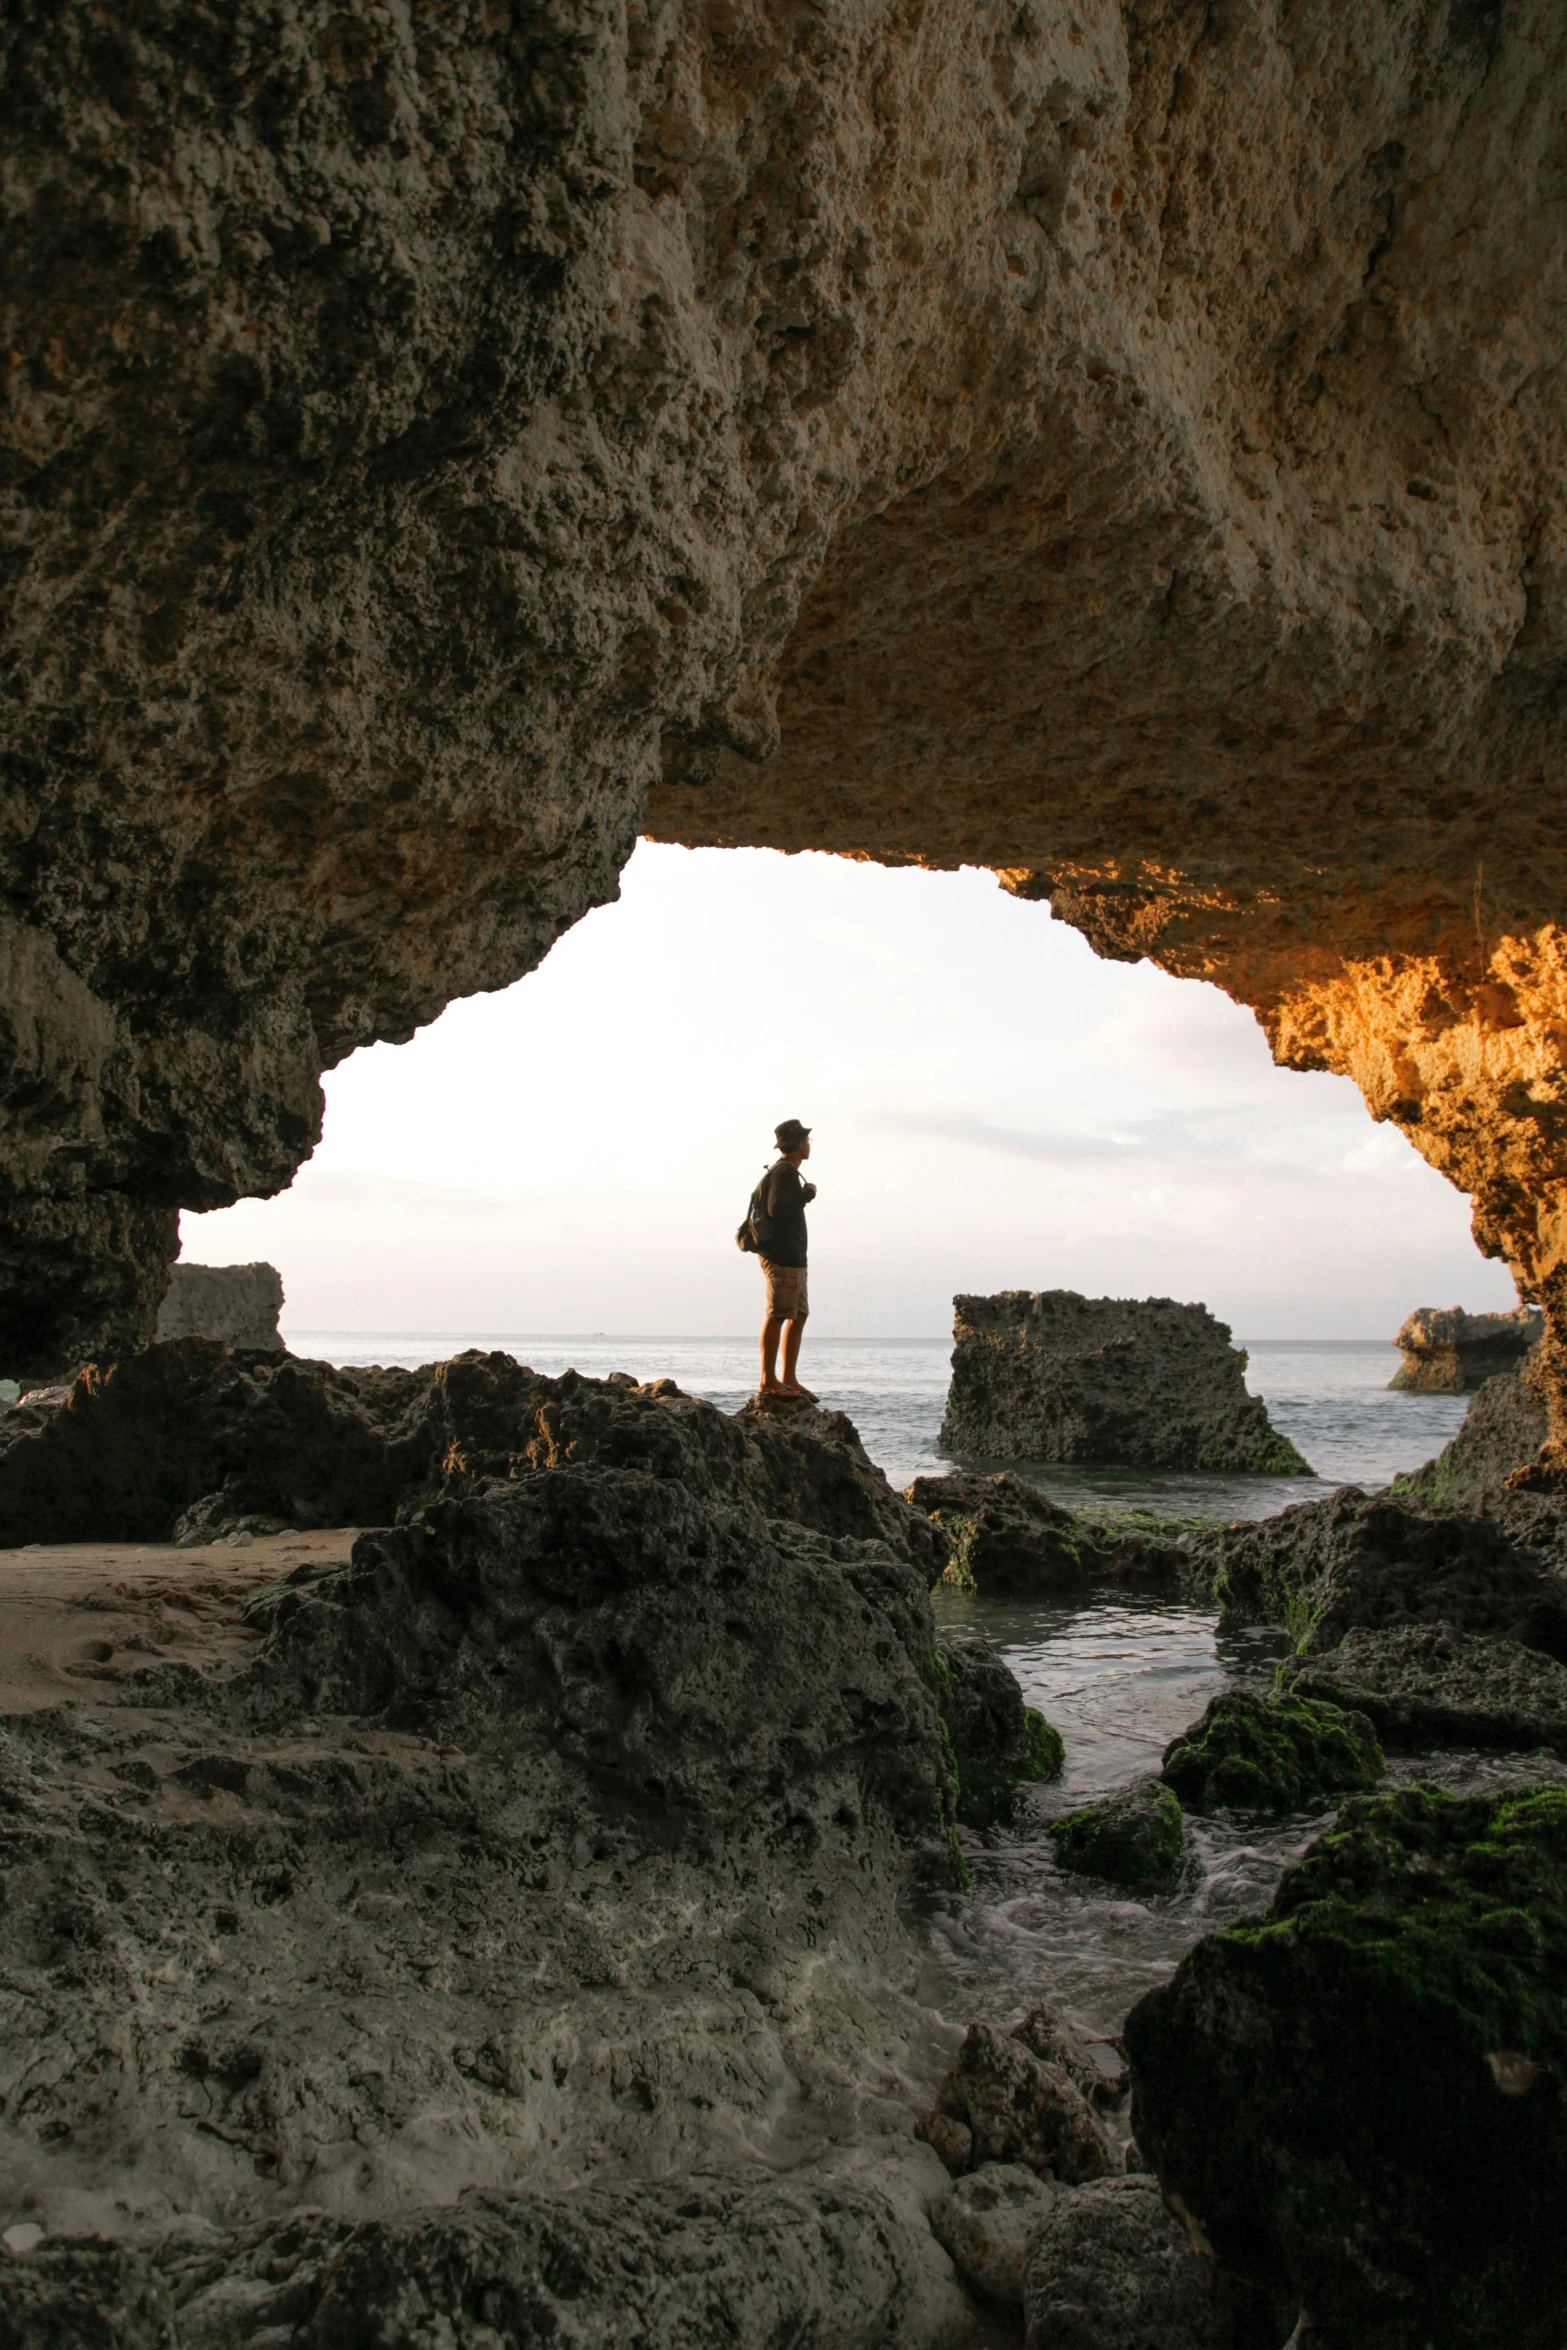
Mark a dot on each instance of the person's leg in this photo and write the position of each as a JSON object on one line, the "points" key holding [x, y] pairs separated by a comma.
{"points": [[794, 1331], [772, 1330]]}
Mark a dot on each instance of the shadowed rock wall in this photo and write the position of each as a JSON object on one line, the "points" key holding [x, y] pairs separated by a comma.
{"points": [[1119, 445]]}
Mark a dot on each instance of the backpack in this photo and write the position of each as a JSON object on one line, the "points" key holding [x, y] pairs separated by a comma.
{"points": [[757, 1230]]}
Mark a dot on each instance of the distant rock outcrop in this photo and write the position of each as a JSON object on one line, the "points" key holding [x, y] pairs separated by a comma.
{"points": [[238, 1305], [1449, 1352], [1048, 1375]]}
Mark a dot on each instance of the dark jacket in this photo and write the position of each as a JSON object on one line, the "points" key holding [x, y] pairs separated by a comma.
{"points": [[784, 1197]]}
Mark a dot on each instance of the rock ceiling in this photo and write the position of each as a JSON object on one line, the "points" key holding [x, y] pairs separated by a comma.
{"points": [[1120, 445]]}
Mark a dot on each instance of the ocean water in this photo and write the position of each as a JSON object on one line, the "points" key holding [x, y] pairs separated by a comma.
{"points": [[1329, 1395]]}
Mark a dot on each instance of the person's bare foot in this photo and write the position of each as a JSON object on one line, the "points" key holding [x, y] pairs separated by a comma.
{"points": [[774, 1387], [801, 1394]]}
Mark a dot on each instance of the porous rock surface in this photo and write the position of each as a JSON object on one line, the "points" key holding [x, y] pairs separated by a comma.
{"points": [[1426, 1685], [998, 1743], [188, 1432], [1503, 1430], [556, 1838], [238, 1305], [1376, 1561], [1057, 438], [1359, 2096], [1028, 2096], [1111, 2268], [1449, 1352], [988, 2220], [1049, 1375], [1008, 1538]]}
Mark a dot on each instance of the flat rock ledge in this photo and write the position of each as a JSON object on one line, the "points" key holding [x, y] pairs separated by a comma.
{"points": [[1430, 1685], [1047, 1375]]}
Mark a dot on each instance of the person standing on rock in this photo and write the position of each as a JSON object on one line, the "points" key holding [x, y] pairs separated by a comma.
{"points": [[778, 1223]]}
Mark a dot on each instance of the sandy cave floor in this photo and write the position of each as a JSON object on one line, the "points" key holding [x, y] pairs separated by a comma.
{"points": [[77, 1617]]}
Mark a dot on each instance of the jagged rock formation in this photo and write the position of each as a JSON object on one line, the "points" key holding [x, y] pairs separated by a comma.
{"points": [[1113, 2266], [998, 1743], [192, 1435], [1371, 1562], [237, 1305], [557, 1837], [1047, 1375], [1353, 2105], [1007, 1538], [1502, 1433], [1062, 439], [1425, 1685], [1452, 1353]]}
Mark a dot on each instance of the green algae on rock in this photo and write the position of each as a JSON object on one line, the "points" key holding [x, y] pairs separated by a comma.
{"points": [[1270, 1754], [1360, 2097], [1136, 1838], [997, 1742]]}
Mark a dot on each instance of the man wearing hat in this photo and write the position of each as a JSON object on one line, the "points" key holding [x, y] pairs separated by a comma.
{"points": [[782, 1198]]}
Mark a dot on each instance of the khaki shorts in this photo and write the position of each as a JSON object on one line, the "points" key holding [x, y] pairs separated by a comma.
{"points": [[786, 1296]]}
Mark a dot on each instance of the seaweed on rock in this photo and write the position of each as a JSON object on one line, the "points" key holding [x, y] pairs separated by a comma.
{"points": [[1136, 1838], [1270, 1754]]}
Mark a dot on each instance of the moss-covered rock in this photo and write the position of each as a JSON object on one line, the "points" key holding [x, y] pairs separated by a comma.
{"points": [[1270, 1754], [1010, 1539], [1136, 1838], [998, 1743], [1363, 2095]]}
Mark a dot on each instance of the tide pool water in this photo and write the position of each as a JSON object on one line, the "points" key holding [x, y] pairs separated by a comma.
{"points": [[1330, 1395]]}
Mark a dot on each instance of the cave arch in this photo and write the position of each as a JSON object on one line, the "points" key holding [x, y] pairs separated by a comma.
{"points": [[1115, 441]]}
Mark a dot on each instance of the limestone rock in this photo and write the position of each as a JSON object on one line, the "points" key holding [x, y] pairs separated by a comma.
{"points": [[1428, 1685], [1018, 2107], [1136, 1838], [1272, 1753], [560, 1834], [1111, 2269], [1377, 1562], [463, 451], [1048, 1375], [988, 2222], [237, 1305], [1096, 2062], [998, 1742], [1360, 2098], [1452, 1353], [189, 1431], [1009, 1538], [90, 2294], [1503, 1430]]}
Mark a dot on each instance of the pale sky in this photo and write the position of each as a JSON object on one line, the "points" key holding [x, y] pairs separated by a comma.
{"points": [[994, 1108]]}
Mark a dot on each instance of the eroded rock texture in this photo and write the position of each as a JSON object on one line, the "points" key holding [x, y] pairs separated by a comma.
{"points": [[1116, 443]]}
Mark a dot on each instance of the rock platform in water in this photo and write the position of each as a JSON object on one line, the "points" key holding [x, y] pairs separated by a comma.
{"points": [[1047, 1375], [1430, 1685], [1449, 1352], [1009, 1540], [1135, 1838]]}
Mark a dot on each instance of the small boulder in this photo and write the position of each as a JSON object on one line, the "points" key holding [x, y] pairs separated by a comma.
{"points": [[998, 1742], [1110, 2269], [988, 2223], [1428, 1685], [1017, 2108], [1136, 1838], [1449, 1352], [1271, 1754]]}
